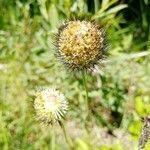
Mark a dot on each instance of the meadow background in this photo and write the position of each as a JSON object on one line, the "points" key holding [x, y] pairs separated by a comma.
{"points": [[119, 90]]}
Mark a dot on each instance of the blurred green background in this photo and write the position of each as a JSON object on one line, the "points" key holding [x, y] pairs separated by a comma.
{"points": [[119, 91]]}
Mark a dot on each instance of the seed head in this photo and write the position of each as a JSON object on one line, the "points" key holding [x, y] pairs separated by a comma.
{"points": [[80, 44], [145, 135], [50, 106]]}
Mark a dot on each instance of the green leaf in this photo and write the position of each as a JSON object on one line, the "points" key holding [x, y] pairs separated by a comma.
{"points": [[53, 16], [135, 128], [111, 11], [141, 107], [82, 145]]}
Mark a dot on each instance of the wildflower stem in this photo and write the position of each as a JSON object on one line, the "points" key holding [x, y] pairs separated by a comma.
{"points": [[87, 102], [67, 138], [86, 90]]}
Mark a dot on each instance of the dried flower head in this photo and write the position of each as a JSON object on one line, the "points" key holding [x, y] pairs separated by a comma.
{"points": [[80, 44], [145, 135], [50, 106]]}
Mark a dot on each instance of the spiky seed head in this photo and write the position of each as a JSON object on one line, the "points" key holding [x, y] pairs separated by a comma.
{"points": [[50, 106], [80, 44]]}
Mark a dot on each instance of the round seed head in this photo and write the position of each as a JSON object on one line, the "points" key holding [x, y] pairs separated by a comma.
{"points": [[80, 44], [50, 106]]}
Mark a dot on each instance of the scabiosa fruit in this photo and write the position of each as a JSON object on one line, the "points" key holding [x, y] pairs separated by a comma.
{"points": [[50, 106], [80, 44]]}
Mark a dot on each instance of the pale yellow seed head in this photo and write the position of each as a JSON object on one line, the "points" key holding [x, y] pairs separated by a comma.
{"points": [[50, 106]]}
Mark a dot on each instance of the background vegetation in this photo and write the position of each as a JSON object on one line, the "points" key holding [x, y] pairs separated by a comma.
{"points": [[119, 91]]}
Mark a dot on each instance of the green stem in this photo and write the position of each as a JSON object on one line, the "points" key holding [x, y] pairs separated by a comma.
{"points": [[86, 90], [87, 102], [67, 138]]}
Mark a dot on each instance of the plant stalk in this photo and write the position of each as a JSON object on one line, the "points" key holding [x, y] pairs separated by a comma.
{"points": [[67, 138], [86, 91]]}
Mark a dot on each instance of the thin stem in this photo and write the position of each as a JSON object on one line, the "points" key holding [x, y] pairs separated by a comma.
{"points": [[67, 138], [87, 102], [86, 90]]}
